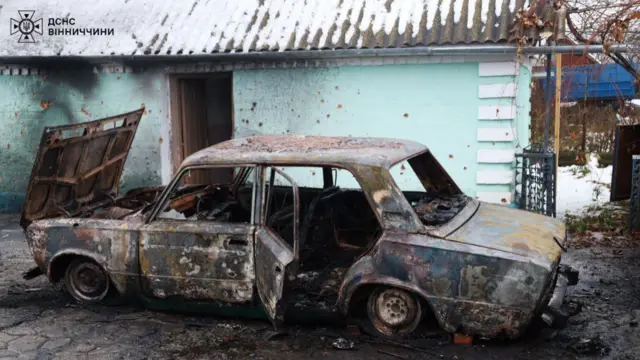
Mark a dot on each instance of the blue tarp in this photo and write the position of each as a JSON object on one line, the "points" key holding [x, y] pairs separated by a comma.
{"points": [[595, 82]]}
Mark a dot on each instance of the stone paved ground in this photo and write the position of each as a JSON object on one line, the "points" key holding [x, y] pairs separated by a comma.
{"points": [[37, 321]]}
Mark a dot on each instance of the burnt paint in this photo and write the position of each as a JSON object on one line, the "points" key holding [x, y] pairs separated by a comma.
{"points": [[111, 243], [470, 286], [197, 260], [162, 260], [485, 293], [275, 262], [79, 166]]}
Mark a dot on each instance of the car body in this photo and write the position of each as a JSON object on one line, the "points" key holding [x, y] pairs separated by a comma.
{"points": [[480, 269]]}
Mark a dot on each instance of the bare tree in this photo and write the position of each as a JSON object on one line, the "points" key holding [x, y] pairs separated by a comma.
{"points": [[606, 22]]}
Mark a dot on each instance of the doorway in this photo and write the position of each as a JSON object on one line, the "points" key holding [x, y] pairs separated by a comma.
{"points": [[201, 116]]}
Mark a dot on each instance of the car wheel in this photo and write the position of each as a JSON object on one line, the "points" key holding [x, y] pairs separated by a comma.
{"points": [[393, 312], [86, 281]]}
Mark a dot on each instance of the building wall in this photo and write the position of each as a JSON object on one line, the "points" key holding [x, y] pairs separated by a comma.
{"points": [[32, 101], [465, 112]]}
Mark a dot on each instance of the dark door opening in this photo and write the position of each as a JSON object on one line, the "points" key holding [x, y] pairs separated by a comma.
{"points": [[201, 116]]}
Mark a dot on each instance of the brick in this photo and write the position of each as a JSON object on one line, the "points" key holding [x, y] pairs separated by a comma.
{"points": [[461, 339]]}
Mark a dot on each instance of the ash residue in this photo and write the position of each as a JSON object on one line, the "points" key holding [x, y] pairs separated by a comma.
{"points": [[439, 209]]}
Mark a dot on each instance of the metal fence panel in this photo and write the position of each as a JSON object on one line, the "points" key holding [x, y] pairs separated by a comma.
{"points": [[536, 181]]}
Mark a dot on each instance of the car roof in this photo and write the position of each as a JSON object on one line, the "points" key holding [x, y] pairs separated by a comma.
{"points": [[307, 150]]}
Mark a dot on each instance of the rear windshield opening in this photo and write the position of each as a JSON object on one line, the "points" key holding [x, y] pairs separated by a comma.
{"points": [[431, 192]]}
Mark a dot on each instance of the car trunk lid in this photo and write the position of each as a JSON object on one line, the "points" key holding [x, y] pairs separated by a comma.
{"points": [[516, 231], [78, 166]]}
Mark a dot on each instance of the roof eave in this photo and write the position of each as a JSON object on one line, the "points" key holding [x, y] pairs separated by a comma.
{"points": [[452, 50]]}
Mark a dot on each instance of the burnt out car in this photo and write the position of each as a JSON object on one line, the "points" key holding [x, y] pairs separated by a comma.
{"points": [[291, 222]]}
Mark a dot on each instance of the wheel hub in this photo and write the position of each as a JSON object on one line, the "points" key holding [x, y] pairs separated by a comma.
{"points": [[394, 308], [89, 280]]}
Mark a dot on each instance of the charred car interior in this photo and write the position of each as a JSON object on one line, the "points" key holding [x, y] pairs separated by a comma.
{"points": [[368, 227], [336, 226]]}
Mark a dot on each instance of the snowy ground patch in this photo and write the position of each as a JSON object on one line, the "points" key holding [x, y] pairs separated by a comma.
{"points": [[581, 186]]}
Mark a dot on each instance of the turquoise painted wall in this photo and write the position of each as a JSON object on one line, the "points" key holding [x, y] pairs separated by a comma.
{"points": [[436, 104], [28, 103]]}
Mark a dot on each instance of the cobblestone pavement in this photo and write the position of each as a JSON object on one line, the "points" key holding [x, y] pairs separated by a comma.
{"points": [[38, 321]]}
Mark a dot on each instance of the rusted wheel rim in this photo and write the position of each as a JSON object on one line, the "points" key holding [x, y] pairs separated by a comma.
{"points": [[394, 308], [89, 282], [394, 311]]}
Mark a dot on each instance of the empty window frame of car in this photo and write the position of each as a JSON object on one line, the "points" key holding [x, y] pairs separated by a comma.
{"points": [[198, 200]]}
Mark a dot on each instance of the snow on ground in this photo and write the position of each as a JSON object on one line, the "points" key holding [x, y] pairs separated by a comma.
{"points": [[581, 186]]}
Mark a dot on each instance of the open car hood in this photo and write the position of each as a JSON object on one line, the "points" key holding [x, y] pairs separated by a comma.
{"points": [[78, 166]]}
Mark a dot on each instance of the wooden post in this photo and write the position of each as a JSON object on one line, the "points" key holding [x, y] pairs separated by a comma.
{"points": [[556, 133]]}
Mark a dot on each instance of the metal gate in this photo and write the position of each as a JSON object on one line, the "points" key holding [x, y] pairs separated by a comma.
{"points": [[536, 181]]}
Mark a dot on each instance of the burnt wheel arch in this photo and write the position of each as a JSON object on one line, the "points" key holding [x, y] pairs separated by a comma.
{"points": [[357, 303], [58, 268]]}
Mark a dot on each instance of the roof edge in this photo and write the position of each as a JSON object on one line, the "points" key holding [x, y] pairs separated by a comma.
{"points": [[453, 50]]}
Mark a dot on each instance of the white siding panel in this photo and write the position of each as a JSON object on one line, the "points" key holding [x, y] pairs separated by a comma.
{"points": [[495, 156], [507, 90], [495, 197], [496, 112], [496, 134], [494, 177], [505, 68]]}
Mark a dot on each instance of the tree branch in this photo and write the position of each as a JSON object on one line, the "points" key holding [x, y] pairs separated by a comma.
{"points": [[618, 58]]}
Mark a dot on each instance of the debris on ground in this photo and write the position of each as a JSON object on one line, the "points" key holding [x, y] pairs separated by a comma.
{"points": [[392, 354], [352, 330], [593, 346], [343, 344], [406, 346], [271, 335], [461, 339]]}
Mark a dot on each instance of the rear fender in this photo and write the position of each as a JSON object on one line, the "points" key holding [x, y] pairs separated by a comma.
{"points": [[364, 273]]}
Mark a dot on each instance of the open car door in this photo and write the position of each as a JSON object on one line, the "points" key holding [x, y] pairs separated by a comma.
{"points": [[276, 258]]}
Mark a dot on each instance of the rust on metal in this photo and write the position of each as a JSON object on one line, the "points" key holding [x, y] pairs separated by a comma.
{"points": [[78, 166], [309, 150], [479, 269]]}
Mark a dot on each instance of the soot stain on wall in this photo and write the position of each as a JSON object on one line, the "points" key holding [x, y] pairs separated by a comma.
{"points": [[76, 76]]}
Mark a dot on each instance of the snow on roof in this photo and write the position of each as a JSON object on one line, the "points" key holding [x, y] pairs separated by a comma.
{"points": [[147, 27]]}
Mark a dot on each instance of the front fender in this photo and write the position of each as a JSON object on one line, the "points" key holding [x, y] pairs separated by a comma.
{"points": [[98, 258], [119, 282], [110, 243]]}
